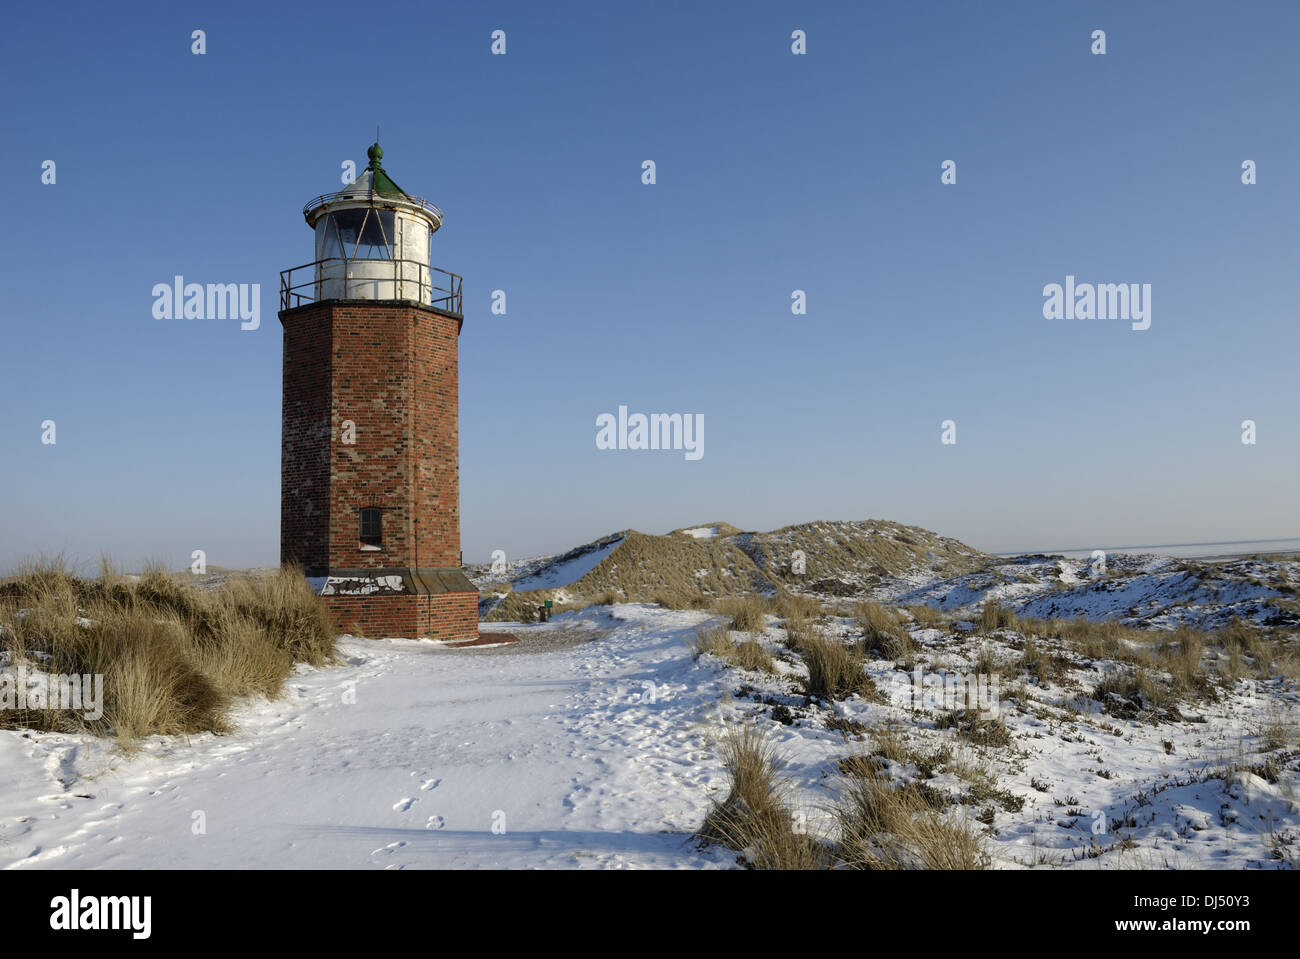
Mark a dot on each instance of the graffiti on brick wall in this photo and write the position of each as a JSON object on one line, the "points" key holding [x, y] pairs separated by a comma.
{"points": [[362, 586]]}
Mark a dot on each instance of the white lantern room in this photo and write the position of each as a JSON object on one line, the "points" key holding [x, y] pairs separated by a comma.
{"points": [[372, 243]]}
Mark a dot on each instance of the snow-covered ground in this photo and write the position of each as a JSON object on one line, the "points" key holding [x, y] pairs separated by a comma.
{"points": [[591, 744], [1073, 787], [591, 754], [1143, 589]]}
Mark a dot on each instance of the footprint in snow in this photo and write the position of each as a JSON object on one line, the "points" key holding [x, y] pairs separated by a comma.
{"points": [[404, 804], [430, 784], [391, 848], [435, 822]]}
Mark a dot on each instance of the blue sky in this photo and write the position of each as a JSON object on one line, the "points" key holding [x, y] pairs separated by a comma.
{"points": [[775, 172]]}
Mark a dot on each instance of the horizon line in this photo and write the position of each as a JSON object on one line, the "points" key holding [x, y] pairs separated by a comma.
{"points": [[1080, 549]]}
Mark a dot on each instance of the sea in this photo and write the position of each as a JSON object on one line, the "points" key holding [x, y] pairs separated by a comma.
{"points": [[1227, 549]]}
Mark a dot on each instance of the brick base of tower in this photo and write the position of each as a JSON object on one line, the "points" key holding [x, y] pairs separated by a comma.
{"points": [[445, 616]]}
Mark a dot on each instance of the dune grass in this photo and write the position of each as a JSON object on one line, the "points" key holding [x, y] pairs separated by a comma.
{"points": [[995, 616], [888, 826], [746, 654], [173, 656], [1135, 693], [747, 613], [1160, 666], [756, 817], [883, 634], [676, 572], [881, 825], [797, 608], [835, 670], [927, 616]]}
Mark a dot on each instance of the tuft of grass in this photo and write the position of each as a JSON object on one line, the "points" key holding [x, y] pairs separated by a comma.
{"points": [[152, 683], [834, 670], [883, 826], [287, 610], [797, 614], [713, 640], [927, 616], [798, 635], [1042, 665], [883, 636], [750, 655], [746, 654], [994, 616], [792, 607], [152, 686], [986, 662], [1182, 654], [889, 742], [874, 617], [1135, 693], [239, 660], [1275, 731], [747, 613], [605, 598], [1092, 639], [974, 728], [756, 818]]}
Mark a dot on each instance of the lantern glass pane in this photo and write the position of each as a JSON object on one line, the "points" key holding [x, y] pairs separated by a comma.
{"points": [[374, 242], [349, 224]]}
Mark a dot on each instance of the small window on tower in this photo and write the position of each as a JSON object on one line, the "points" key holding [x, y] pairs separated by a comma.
{"points": [[372, 527]]}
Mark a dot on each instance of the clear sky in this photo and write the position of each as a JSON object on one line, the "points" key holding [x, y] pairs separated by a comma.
{"points": [[774, 172]]}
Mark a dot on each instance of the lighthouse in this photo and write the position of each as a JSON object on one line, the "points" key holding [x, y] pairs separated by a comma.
{"points": [[370, 446]]}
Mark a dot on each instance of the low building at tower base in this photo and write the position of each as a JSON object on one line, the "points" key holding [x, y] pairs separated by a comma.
{"points": [[439, 604]]}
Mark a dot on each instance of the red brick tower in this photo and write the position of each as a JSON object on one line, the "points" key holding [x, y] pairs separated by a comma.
{"points": [[370, 458]]}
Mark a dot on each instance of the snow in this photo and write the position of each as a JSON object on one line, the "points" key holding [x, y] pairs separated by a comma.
{"points": [[1142, 589], [1152, 796], [566, 571], [702, 532], [567, 748]]}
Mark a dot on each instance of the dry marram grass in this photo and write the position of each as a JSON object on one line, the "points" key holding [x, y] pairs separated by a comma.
{"points": [[886, 826], [173, 657], [756, 818], [834, 669], [746, 654]]}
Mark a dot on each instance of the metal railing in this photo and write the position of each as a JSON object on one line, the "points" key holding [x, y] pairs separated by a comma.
{"points": [[423, 287], [377, 198]]}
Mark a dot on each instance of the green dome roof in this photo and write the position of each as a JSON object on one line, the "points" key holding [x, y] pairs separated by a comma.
{"points": [[368, 188], [379, 181]]}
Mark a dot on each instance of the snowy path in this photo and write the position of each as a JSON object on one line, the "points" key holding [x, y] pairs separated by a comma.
{"points": [[564, 749]]}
